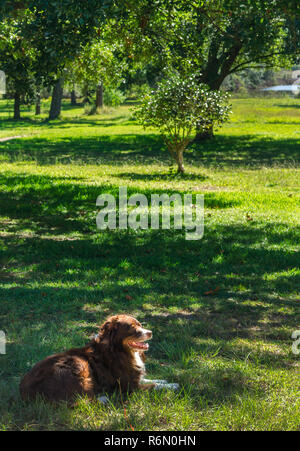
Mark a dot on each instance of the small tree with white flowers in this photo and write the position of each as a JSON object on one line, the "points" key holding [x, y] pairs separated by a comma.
{"points": [[177, 107]]}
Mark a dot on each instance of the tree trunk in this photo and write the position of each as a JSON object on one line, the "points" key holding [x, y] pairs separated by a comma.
{"points": [[55, 108], [99, 97], [214, 81], [73, 98], [179, 160], [38, 104], [86, 95], [209, 132], [17, 105]]}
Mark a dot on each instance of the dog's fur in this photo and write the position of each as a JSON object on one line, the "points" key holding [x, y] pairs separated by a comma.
{"points": [[113, 359]]}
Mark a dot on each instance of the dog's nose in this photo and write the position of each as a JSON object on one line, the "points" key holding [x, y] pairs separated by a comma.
{"points": [[148, 333]]}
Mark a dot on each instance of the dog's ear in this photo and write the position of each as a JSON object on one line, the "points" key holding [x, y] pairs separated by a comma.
{"points": [[104, 328], [112, 333], [108, 329], [103, 334]]}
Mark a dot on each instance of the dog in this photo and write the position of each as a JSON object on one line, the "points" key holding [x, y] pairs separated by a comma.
{"points": [[113, 360]]}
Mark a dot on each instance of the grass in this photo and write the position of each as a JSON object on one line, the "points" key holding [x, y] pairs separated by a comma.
{"points": [[230, 350]]}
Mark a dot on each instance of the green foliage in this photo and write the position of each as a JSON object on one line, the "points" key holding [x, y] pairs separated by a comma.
{"points": [[138, 90], [178, 106], [97, 61], [113, 97], [58, 29], [100, 62], [216, 37], [17, 60], [182, 104]]}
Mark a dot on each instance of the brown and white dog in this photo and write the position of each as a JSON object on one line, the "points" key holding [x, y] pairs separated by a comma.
{"points": [[112, 360]]}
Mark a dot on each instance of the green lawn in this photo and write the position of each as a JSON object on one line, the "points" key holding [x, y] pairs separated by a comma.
{"points": [[230, 351]]}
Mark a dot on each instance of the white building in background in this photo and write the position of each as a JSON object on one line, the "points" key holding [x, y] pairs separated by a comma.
{"points": [[2, 82], [296, 77], [294, 89]]}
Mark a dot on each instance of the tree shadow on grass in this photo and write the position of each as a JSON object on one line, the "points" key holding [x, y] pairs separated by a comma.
{"points": [[29, 122], [246, 150], [110, 149], [283, 105], [161, 176], [249, 150]]}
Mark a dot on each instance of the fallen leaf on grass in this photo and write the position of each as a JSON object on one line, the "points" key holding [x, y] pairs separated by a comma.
{"points": [[210, 292]]}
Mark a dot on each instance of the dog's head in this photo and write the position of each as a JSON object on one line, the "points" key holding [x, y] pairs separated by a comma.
{"points": [[124, 331]]}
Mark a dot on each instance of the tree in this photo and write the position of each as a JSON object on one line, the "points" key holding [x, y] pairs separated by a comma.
{"points": [[99, 64], [57, 30], [17, 59], [216, 37], [55, 107], [178, 106]]}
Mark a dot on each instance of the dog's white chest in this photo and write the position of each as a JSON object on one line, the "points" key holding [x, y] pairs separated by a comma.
{"points": [[138, 361]]}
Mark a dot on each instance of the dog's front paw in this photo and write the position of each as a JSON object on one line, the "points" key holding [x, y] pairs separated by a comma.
{"points": [[155, 381], [160, 381], [167, 386]]}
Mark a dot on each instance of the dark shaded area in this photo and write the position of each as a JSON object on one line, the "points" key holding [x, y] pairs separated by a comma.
{"points": [[159, 176], [115, 149], [282, 105], [247, 150]]}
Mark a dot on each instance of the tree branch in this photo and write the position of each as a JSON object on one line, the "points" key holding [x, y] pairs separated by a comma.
{"points": [[245, 64]]}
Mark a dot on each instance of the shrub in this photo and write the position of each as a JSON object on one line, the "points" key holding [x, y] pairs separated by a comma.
{"points": [[177, 107]]}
